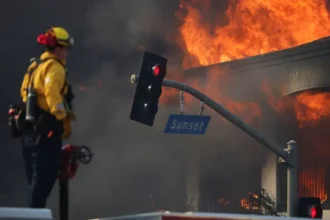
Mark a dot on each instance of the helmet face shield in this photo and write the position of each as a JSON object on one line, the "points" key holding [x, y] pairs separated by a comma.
{"points": [[71, 42]]}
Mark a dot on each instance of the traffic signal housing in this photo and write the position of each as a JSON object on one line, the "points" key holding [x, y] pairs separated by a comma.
{"points": [[310, 207], [148, 89]]}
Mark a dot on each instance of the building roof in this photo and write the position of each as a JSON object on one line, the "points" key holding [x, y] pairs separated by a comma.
{"points": [[296, 73], [318, 48]]}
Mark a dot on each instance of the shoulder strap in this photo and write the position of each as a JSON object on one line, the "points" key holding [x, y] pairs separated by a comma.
{"points": [[63, 88], [38, 62], [66, 72]]}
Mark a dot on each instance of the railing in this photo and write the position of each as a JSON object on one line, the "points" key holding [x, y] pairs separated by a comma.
{"points": [[25, 213], [198, 216]]}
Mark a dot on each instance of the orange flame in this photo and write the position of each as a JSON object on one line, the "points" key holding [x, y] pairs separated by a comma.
{"points": [[311, 107], [274, 97], [249, 205], [254, 27], [249, 111], [312, 179]]}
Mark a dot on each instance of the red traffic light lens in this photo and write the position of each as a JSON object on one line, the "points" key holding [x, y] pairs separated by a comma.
{"points": [[313, 212], [156, 70]]}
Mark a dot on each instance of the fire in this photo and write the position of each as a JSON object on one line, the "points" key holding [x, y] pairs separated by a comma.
{"points": [[248, 111], [274, 97], [311, 107], [254, 27], [251, 203], [312, 179]]}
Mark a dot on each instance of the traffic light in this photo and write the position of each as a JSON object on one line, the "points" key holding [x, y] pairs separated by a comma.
{"points": [[148, 89], [310, 207]]}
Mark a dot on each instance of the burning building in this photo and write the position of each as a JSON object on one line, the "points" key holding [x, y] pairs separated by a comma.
{"points": [[269, 65], [301, 113]]}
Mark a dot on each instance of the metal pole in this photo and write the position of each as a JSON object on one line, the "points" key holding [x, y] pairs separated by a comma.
{"points": [[226, 114], [258, 136], [292, 180], [64, 199]]}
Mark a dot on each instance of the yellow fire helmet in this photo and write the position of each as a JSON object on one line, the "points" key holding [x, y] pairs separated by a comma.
{"points": [[62, 36], [56, 36]]}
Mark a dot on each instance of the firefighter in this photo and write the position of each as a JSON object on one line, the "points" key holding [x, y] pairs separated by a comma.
{"points": [[47, 97]]}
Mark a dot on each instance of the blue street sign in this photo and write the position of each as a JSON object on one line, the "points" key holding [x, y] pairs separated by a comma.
{"points": [[187, 124]]}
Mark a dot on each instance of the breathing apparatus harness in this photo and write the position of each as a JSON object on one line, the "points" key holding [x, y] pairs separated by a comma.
{"points": [[26, 115]]}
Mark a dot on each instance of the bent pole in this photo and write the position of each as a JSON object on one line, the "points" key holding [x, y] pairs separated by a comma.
{"points": [[226, 114], [289, 156]]}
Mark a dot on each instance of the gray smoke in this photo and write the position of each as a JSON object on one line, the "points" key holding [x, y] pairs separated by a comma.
{"points": [[131, 160]]}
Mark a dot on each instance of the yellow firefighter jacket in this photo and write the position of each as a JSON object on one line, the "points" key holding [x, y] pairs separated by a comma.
{"points": [[50, 85]]}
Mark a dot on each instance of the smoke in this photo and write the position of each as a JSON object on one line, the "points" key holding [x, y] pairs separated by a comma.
{"points": [[131, 160]]}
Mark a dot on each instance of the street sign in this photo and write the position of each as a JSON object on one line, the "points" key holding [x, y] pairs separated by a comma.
{"points": [[187, 124]]}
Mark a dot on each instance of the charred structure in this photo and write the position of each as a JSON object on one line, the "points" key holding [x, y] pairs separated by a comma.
{"points": [[290, 73]]}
